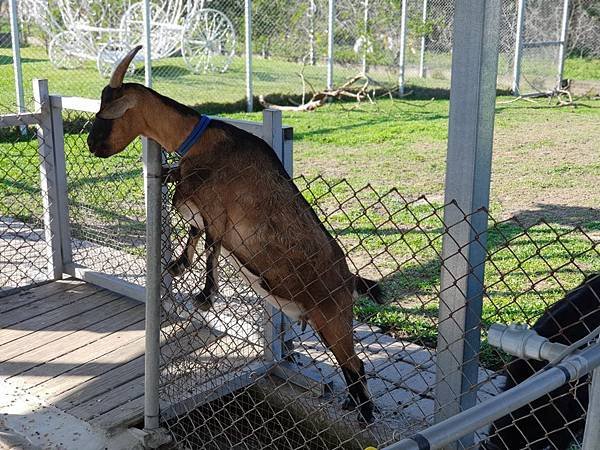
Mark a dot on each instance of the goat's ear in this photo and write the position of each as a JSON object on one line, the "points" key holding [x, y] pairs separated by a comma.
{"points": [[116, 108]]}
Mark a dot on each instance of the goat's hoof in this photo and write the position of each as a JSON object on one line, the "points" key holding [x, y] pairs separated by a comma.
{"points": [[203, 302], [176, 268], [349, 404], [365, 414]]}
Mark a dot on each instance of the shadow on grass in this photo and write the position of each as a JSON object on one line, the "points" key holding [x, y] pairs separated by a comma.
{"points": [[412, 293]]}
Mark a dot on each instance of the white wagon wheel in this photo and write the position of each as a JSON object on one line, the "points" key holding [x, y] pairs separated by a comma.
{"points": [[64, 50], [208, 41], [109, 56], [164, 32]]}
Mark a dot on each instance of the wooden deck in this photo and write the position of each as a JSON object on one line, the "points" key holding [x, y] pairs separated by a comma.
{"points": [[79, 348]]}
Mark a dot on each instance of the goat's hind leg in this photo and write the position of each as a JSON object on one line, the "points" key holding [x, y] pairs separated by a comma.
{"points": [[336, 333], [204, 300], [180, 265]]}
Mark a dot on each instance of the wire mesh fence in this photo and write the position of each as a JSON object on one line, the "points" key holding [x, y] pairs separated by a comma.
{"points": [[221, 385], [24, 257], [105, 205], [76, 45]]}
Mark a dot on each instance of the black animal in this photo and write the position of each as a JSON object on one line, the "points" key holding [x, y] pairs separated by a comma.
{"points": [[552, 421]]}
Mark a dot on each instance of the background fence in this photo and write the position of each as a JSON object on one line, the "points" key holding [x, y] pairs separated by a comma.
{"points": [[289, 45]]}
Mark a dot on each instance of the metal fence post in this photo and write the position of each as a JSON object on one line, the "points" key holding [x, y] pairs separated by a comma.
{"points": [[147, 18], [422, 52], [330, 36], [16, 52], [591, 436], [470, 140], [153, 190], [366, 37], [563, 42], [248, 31], [518, 47], [48, 184], [401, 62]]}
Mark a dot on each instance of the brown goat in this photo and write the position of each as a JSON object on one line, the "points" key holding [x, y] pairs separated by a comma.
{"points": [[235, 190]]}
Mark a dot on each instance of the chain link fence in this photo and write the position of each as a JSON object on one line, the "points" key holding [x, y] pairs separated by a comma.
{"points": [[75, 45], [105, 205], [24, 256], [218, 376]]}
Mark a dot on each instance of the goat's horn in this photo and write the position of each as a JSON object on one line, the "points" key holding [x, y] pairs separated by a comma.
{"points": [[116, 80]]}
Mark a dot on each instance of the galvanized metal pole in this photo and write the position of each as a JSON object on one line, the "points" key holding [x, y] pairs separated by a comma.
{"points": [[152, 169], [401, 62], [422, 53], [591, 436], [469, 158], [147, 18], [518, 46], [248, 29], [366, 43], [563, 43], [16, 52], [441, 434], [330, 22]]}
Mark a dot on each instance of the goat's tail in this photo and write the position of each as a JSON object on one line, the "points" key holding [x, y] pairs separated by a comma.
{"points": [[364, 286]]}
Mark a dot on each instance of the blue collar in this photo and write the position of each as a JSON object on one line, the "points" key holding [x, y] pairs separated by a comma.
{"points": [[193, 137]]}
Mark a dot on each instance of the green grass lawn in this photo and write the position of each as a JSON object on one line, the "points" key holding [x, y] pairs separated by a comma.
{"points": [[545, 167]]}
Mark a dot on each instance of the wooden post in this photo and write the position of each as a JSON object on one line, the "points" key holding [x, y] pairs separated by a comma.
{"points": [[48, 183], [276, 324], [58, 140]]}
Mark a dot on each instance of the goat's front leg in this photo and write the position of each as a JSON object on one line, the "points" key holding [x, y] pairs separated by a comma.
{"points": [[184, 262], [204, 300]]}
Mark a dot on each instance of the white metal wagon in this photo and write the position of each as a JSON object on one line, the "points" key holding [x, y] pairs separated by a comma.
{"points": [[83, 30]]}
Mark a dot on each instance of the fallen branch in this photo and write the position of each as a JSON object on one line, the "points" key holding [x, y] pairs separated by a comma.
{"points": [[318, 99]]}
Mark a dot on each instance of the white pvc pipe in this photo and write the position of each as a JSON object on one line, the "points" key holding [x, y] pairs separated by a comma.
{"points": [[330, 21], [16, 51], [518, 47], [563, 43], [422, 54], [147, 18], [366, 42], [401, 62], [520, 341], [248, 31]]}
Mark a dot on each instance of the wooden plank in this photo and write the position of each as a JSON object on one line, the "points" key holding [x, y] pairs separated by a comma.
{"points": [[118, 374], [52, 389], [36, 328], [94, 325], [75, 103], [107, 401], [16, 120], [123, 416], [53, 301], [90, 392], [63, 364], [106, 281], [129, 413], [48, 180], [26, 296]]}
